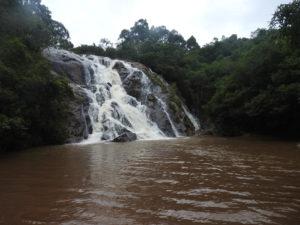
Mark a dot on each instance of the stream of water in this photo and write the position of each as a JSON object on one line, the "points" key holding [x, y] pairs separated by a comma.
{"points": [[201, 180]]}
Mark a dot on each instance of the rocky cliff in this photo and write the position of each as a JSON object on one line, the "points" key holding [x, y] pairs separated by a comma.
{"points": [[118, 100]]}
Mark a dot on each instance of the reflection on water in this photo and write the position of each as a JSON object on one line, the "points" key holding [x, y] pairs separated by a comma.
{"points": [[185, 181]]}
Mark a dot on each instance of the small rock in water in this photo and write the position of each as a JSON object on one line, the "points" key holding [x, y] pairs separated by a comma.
{"points": [[94, 89], [105, 137], [151, 97], [125, 137], [100, 99], [132, 102]]}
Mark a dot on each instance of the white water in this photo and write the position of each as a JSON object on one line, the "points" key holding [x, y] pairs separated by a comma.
{"points": [[110, 109], [164, 106], [191, 118]]}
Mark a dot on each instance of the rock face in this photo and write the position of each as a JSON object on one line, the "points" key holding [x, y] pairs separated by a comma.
{"points": [[119, 101], [66, 64], [71, 67], [79, 124]]}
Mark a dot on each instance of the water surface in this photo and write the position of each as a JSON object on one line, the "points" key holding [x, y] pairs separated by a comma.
{"points": [[203, 180]]}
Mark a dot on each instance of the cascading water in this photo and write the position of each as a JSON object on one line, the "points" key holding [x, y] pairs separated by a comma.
{"points": [[112, 110], [164, 107], [119, 98], [191, 118]]}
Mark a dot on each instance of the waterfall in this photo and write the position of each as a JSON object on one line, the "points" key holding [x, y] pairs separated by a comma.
{"points": [[164, 106], [112, 110], [119, 98], [191, 118]]}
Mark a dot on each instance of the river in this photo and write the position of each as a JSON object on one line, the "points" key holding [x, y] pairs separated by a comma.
{"points": [[203, 180]]}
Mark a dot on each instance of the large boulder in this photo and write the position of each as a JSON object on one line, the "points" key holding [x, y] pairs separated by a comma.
{"points": [[133, 84], [79, 123], [156, 113], [121, 69], [67, 64], [126, 136]]}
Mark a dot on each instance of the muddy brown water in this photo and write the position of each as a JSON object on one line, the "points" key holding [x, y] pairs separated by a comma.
{"points": [[204, 180]]}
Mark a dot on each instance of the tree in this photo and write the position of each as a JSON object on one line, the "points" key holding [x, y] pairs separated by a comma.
{"points": [[287, 20], [124, 35], [105, 43], [176, 39], [33, 102], [159, 34], [89, 49], [235, 85], [140, 30], [191, 44], [31, 21]]}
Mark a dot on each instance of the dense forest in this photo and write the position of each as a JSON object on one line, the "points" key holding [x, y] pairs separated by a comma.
{"points": [[234, 85], [33, 102]]}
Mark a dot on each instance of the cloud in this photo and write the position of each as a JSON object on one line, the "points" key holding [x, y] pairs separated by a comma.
{"points": [[90, 20]]}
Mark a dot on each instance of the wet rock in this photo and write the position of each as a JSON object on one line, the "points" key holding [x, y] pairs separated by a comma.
{"points": [[94, 113], [114, 104], [93, 89], [100, 98], [71, 66], [119, 115], [132, 102], [104, 62], [105, 137], [92, 74], [151, 98], [133, 85], [88, 124], [79, 122], [89, 100], [104, 91], [157, 114], [66, 64], [126, 136], [122, 70], [67, 58]]}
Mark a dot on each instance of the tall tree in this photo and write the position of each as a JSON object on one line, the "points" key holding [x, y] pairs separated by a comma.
{"points": [[192, 44], [287, 19]]}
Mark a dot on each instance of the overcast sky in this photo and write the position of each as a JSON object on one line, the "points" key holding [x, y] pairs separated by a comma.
{"points": [[90, 20]]}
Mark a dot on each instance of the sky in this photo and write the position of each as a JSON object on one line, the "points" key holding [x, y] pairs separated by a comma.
{"points": [[90, 20]]}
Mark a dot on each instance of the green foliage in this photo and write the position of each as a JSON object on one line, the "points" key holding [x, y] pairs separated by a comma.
{"points": [[192, 44], [237, 84], [89, 49], [174, 100], [261, 94], [157, 80], [31, 22], [287, 19], [33, 102]]}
